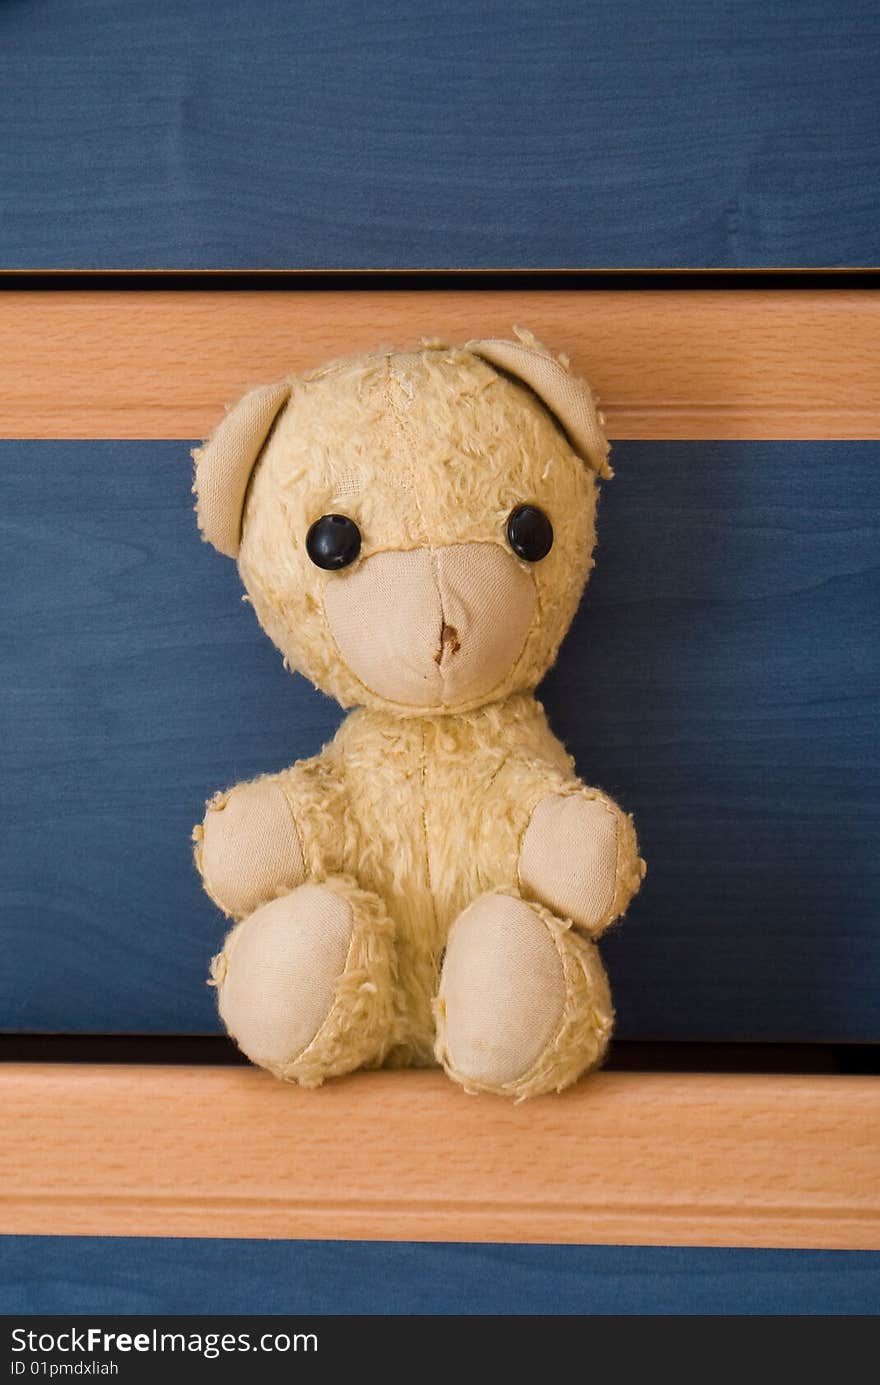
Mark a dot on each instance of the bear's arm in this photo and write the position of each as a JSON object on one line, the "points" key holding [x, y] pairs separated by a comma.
{"points": [[579, 856], [248, 849], [560, 843]]}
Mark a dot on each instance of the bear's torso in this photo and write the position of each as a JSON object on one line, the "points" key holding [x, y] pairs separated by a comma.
{"points": [[428, 812]]}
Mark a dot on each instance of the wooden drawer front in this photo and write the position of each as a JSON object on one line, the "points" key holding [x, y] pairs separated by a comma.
{"points": [[721, 678], [468, 135]]}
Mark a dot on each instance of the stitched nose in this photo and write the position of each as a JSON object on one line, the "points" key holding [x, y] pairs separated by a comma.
{"points": [[449, 643]]}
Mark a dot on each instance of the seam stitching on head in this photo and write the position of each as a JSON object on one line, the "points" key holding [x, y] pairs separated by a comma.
{"points": [[424, 807], [405, 434]]}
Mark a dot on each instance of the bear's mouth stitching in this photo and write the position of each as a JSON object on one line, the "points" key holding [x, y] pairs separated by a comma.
{"points": [[449, 643]]}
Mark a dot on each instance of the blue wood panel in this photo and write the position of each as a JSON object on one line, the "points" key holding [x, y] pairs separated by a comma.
{"points": [[721, 680], [622, 133], [49, 1274]]}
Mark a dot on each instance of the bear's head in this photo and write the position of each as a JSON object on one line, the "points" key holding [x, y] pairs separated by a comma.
{"points": [[414, 529]]}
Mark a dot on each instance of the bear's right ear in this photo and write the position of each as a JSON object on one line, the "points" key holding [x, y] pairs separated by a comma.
{"points": [[224, 464]]}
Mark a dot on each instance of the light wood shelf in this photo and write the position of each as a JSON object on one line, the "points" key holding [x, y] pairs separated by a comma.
{"points": [[626, 1158], [678, 363]]}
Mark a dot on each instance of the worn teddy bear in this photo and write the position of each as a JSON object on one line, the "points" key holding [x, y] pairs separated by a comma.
{"points": [[414, 530]]}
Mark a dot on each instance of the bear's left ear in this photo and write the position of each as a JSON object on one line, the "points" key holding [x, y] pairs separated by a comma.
{"points": [[570, 400], [225, 462]]}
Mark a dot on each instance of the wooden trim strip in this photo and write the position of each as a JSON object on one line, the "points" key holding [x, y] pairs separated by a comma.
{"points": [[626, 1158], [666, 364]]}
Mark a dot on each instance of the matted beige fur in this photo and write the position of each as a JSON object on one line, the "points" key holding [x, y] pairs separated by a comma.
{"points": [[445, 797]]}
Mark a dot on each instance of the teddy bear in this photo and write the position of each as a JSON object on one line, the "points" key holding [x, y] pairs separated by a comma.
{"points": [[414, 529]]}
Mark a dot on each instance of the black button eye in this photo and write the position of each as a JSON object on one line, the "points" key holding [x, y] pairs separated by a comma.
{"points": [[333, 541], [529, 533]]}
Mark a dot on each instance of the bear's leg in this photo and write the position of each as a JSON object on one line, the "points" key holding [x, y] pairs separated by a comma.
{"points": [[306, 984], [523, 1005]]}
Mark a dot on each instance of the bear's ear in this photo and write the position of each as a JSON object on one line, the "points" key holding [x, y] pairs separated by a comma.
{"points": [[570, 400], [225, 462]]}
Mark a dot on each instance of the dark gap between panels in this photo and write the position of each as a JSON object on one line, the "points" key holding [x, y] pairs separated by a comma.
{"points": [[353, 280], [625, 1056]]}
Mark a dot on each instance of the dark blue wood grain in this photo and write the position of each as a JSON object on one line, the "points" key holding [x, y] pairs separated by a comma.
{"points": [[721, 680], [622, 133], [57, 1274]]}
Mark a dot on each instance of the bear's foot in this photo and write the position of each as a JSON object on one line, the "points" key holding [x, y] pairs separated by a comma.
{"points": [[306, 984], [523, 1005]]}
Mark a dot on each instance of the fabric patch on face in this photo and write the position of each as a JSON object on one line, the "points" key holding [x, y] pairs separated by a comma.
{"points": [[431, 627]]}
